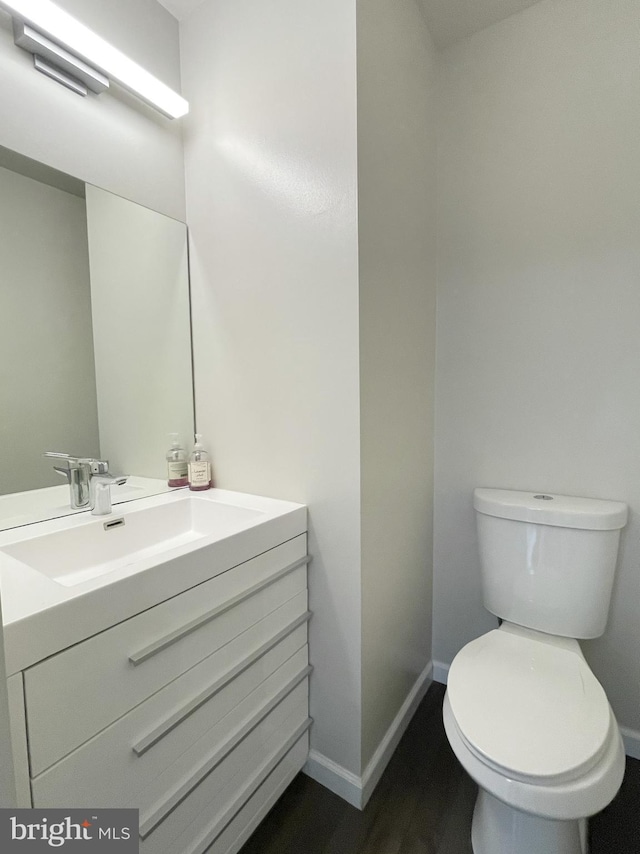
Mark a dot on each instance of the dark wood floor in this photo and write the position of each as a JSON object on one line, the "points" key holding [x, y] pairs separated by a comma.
{"points": [[422, 805]]}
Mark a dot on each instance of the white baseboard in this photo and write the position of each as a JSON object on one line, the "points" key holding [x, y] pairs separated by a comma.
{"points": [[631, 739], [334, 777], [440, 672], [384, 752], [357, 790]]}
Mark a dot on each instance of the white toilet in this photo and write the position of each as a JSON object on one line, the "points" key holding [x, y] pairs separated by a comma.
{"points": [[523, 712]]}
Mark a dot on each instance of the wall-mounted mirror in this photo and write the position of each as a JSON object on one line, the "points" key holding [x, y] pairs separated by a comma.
{"points": [[95, 350]]}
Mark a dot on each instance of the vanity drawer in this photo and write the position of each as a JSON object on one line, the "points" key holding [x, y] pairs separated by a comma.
{"points": [[226, 830], [75, 694], [202, 816], [135, 770], [234, 833]]}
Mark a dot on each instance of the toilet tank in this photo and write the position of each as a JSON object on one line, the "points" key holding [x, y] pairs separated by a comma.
{"points": [[548, 561]]}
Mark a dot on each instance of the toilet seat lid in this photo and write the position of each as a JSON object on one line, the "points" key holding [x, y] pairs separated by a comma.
{"points": [[530, 708]]}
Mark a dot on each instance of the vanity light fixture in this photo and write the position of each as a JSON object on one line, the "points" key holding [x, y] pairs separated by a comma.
{"points": [[74, 55]]}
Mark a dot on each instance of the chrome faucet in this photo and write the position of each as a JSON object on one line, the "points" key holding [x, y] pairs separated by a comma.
{"points": [[78, 473], [100, 485], [89, 482]]}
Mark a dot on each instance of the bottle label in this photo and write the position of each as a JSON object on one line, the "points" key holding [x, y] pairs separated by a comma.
{"points": [[199, 473], [177, 469]]}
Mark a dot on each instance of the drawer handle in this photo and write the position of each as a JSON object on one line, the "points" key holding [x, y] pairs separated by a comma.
{"points": [[158, 815], [157, 646], [170, 723], [224, 818]]}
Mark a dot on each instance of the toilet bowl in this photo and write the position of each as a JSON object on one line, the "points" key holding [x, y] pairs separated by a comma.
{"points": [[523, 712], [532, 726]]}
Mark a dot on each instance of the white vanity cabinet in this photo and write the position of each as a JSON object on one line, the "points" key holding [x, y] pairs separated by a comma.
{"points": [[195, 710]]}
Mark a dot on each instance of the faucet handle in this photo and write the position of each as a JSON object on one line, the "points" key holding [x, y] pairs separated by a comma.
{"points": [[57, 455], [72, 462], [96, 466]]}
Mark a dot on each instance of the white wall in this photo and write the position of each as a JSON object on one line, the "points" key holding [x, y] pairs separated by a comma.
{"points": [[271, 205], [141, 332], [539, 304], [111, 140], [396, 218], [47, 386]]}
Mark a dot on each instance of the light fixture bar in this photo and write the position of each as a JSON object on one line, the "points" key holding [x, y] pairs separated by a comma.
{"points": [[48, 55], [55, 73], [58, 25]]}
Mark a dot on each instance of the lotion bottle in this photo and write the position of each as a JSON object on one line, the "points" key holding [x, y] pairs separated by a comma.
{"points": [[176, 463], [199, 467]]}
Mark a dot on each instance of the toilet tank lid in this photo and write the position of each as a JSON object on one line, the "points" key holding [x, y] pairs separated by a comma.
{"points": [[542, 508]]}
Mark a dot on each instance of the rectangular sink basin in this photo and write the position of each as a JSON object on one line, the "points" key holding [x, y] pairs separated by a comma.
{"points": [[78, 554]]}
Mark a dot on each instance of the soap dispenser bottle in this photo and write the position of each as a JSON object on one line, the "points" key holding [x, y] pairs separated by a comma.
{"points": [[199, 467], [177, 469]]}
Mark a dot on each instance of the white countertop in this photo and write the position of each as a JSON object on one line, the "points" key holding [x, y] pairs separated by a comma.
{"points": [[42, 616]]}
